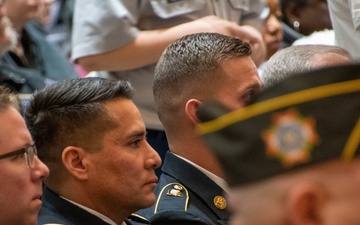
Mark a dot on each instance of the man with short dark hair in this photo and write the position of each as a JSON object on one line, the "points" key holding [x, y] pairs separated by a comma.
{"points": [[92, 137], [193, 69]]}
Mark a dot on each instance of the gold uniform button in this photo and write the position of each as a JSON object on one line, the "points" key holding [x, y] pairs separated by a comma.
{"points": [[220, 202]]}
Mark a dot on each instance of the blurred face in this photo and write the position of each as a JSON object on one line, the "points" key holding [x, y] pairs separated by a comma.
{"points": [[238, 83], [21, 186], [124, 176], [22, 11], [7, 33], [272, 31], [314, 17]]}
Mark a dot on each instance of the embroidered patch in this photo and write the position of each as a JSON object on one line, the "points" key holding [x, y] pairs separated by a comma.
{"points": [[290, 138]]}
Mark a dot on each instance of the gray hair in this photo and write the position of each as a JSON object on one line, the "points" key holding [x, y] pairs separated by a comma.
{"points": [[296, 60]]}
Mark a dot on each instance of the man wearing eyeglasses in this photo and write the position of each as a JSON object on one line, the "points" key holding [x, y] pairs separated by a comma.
{"points": [[21, 171]]}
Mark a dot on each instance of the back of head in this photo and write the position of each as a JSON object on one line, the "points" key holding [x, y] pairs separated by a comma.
{"points": [[71, 112], [186, 66], [300, 59]]}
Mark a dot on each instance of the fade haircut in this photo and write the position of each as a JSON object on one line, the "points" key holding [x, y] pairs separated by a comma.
{"points": [[72, 113], [190, 61], [296, 60]]}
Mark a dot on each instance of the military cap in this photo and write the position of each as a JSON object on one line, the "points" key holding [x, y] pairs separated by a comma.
{"points": [[303, 120]]}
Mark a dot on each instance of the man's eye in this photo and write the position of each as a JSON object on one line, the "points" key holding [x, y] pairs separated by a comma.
{"points": [[249, 97], [18, 156], [136, 143]]}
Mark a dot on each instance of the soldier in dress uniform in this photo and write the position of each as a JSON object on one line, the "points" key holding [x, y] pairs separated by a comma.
{"points": [[193, 69]]}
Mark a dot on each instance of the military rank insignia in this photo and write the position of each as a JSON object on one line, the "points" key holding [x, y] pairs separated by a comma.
{"points": [[290, 138], [175, 191]]}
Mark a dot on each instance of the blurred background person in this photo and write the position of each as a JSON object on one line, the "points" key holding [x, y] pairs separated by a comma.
{"points": [[272, 31], [8, 39], [304, 17], [34, 61], [21, 171], [8, 35]]}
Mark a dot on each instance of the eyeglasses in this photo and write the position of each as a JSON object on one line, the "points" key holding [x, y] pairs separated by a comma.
{"points": [[29, 151]]}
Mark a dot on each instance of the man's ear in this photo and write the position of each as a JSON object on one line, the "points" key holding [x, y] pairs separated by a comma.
{"points": [[304, 204], [191, 108], [74, 159]]}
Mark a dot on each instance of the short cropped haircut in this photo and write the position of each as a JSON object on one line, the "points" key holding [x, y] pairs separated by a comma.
{"points": [[72, 113], [190, 60], [296, 60], [7, 99]]}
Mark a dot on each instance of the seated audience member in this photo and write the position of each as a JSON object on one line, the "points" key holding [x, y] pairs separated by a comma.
{"points": [[292, 156], [191, 70], [302, 18], [8, 38], [33, 62], [272, 32], [21, 171], [127, 37], [93, 139], [300, 59]]}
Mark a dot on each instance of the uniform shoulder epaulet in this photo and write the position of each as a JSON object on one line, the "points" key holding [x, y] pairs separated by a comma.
{"points": [[172, 196]]}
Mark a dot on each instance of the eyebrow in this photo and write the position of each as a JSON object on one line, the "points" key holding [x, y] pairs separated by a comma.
{"points": [[136, 134], [255, 86]]}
